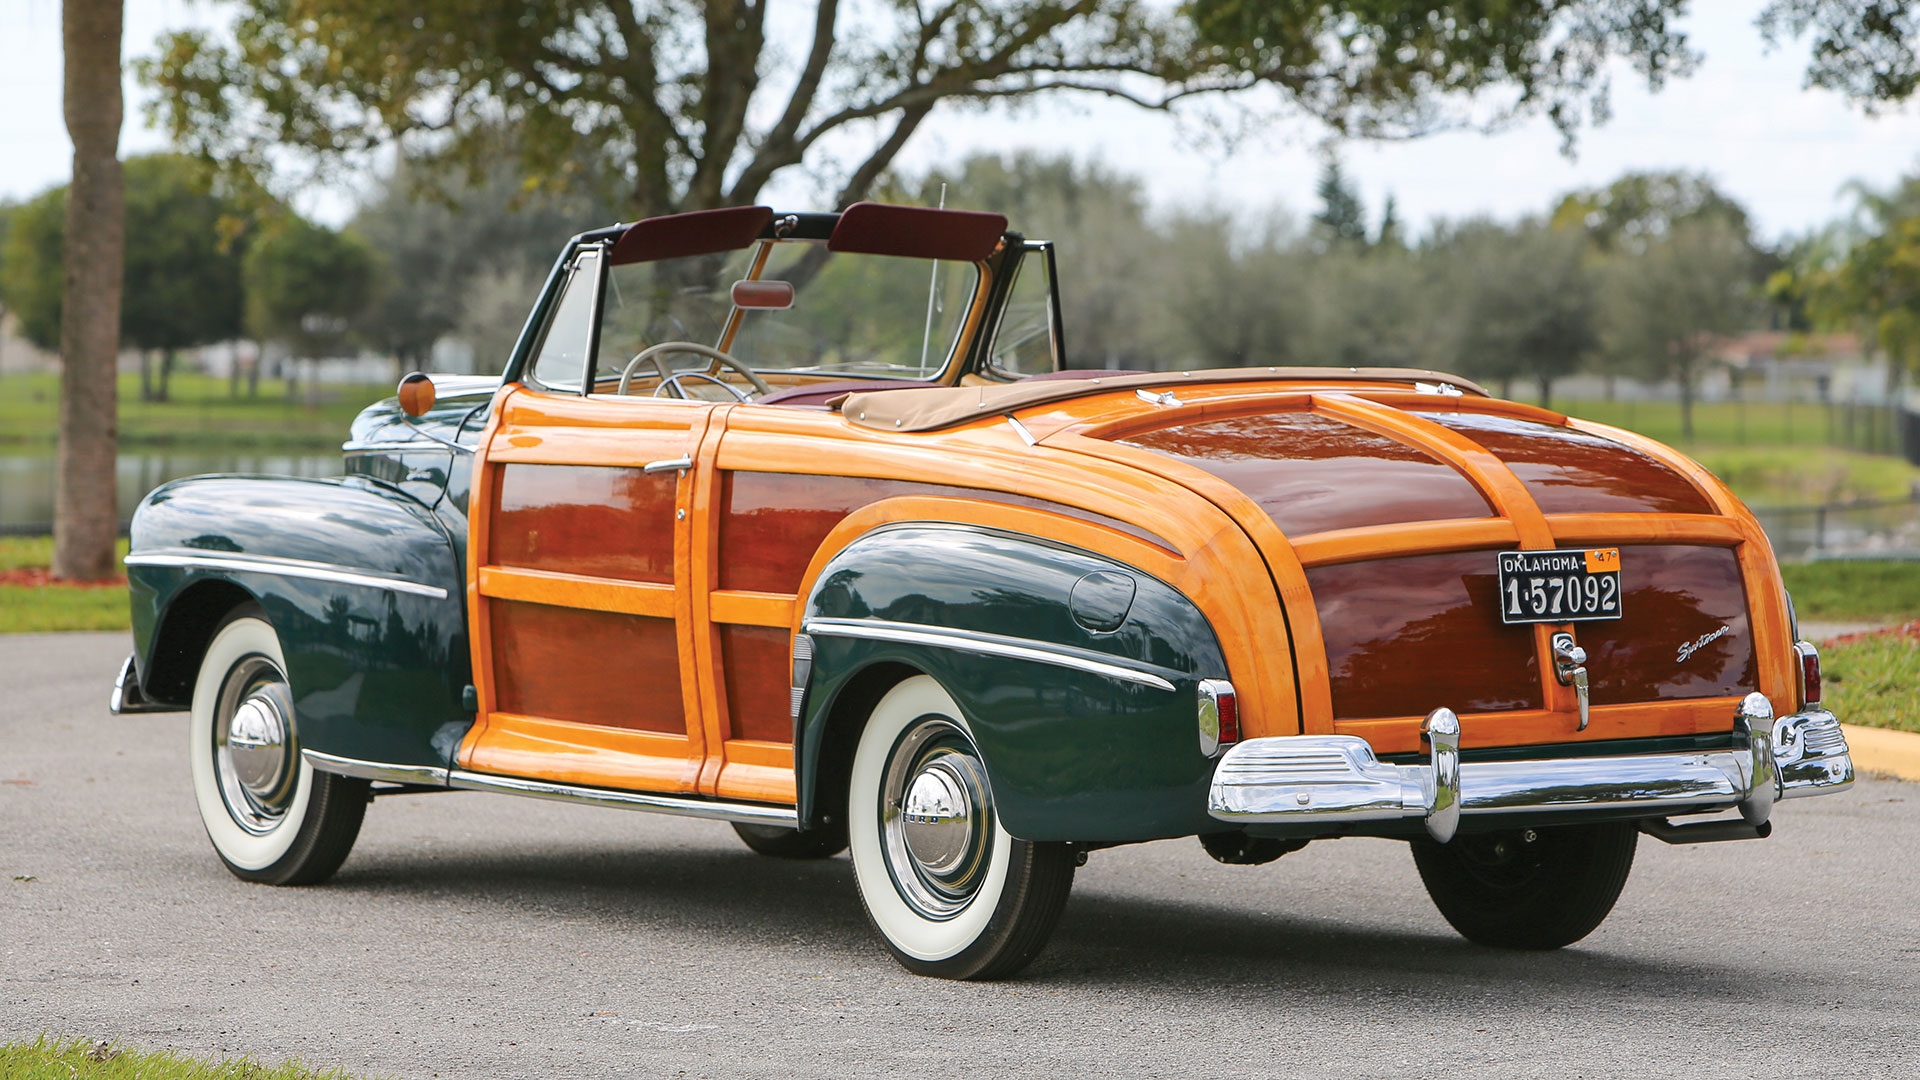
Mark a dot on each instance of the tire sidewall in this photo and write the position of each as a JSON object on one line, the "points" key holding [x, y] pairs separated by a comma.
{"points": [[241, 637], [908, 933]]}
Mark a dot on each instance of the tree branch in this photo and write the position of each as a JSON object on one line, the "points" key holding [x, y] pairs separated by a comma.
{"points": [[779, 139]]}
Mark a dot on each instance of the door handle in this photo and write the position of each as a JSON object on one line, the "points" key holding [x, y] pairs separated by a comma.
{"points": [[664, 466]]}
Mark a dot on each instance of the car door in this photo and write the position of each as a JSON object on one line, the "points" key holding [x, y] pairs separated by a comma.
{"points": [[579, 586]]}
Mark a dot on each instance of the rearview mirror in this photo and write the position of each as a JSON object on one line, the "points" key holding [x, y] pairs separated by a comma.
{"points": [[770, 295]]}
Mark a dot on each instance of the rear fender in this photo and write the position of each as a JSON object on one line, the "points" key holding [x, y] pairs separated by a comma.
{"points": [[360, 582], [1077, 675]]}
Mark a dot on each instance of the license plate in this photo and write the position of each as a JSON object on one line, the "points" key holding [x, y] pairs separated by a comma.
{"points": [[1577, 585]]}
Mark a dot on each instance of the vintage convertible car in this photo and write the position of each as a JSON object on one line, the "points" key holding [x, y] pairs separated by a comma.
{"points": [[795, 521]]}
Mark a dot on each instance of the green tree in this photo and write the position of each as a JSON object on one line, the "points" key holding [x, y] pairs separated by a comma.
{"points": [[1342, 218], [1669, 305], [1868, 50], [433, 248], [1865, 273], [180, 275], [306, 287], [1520, 302], [1641, 207], [694, 106]]}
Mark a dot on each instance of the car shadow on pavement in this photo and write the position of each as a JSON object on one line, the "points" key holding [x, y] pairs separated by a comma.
{"points": [[715, 900]]}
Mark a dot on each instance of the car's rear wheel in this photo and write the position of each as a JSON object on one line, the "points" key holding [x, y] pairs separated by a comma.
{"points": [[1528, 888], [950, 892], [271, 817], [781, 842]]}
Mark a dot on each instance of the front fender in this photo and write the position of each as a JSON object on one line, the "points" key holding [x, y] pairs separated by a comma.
{"points": [[1076, 674], [360, 582]]}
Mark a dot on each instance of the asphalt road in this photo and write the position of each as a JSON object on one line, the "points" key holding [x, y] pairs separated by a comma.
{"points": [[486, 936]]}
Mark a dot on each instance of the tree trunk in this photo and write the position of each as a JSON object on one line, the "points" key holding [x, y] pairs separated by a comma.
{"points": [[146, 374], [1506, 387], [85, 513], [1546, 390], [166, 372]]}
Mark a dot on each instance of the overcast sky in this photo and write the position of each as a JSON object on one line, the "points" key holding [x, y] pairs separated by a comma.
{"points": [[1743, 118]]}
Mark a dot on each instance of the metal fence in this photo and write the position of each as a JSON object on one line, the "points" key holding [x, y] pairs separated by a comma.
{"points": [[1883, 529]]}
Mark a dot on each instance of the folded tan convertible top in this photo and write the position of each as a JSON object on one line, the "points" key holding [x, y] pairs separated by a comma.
{"points": [[935, 407]]}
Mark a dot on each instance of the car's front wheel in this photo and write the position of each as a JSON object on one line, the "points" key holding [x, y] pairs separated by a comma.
{"points": [[1528, 888], [272, 818], [950, 892]]}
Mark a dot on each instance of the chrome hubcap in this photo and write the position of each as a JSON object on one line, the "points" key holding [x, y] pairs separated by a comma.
{"points": [[937, 818], [253, 745]]}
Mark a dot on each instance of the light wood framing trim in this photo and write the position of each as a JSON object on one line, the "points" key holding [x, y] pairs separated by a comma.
{"points": [[1708, 529], [1534, 727], [739, 607], [573, 591], [1411, 538], [546, 749], [479, 627]]}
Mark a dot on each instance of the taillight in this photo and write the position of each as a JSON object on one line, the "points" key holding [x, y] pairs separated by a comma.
{"points": [[1809, 672], [1219, 716]]}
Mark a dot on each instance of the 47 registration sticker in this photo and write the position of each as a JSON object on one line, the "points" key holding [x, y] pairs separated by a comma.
{"points": [[1576, 585]]}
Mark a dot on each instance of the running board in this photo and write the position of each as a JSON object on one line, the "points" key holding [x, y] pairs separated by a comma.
{"points": [[650, 802]]}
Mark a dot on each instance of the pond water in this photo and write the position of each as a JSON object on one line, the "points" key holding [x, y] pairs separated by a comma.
{"points": [[26, 481]]}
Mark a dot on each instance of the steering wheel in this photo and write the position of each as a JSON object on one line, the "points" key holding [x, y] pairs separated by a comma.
{"points": [[669, 380]]}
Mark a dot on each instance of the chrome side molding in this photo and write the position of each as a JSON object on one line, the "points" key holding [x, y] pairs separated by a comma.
{"points": [[1336, 779], [426, 775], [128, 698], [295, 568], [1000, 645]]}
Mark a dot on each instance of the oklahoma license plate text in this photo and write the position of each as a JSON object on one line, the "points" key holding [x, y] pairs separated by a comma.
{"points": [[1559, 586]]}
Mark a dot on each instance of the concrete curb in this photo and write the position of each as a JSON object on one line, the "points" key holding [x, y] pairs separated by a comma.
{"points": [[1879, 750]]}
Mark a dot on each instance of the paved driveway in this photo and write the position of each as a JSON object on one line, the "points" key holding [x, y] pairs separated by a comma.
{"points": [[484, 936]]}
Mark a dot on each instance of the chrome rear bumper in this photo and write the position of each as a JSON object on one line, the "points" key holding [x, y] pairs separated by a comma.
{"points": [[1329, 779]]}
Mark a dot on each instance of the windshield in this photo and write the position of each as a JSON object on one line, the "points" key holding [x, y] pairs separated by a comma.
{"points": [[855, 314]]}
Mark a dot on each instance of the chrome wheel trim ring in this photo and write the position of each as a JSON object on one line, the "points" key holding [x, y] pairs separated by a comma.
{"points": [[936, 818], [254, 753]]}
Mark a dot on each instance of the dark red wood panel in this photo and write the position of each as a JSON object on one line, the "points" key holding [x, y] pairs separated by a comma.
{"points": [[589, 667], [1408, 635], [1314, 473], [772, 523], [1675, 597], [756, 664], [1572, 472], [585, 519]]}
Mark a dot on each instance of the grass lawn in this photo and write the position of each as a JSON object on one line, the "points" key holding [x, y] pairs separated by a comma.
{"points": [[1871, 679], [77, 1059], [1733, 423], [1845, 590], [33, 607], [201, 415]]}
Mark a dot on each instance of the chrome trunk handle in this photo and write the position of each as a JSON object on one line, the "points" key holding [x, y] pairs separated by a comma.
{"points": [[1570, 667]]}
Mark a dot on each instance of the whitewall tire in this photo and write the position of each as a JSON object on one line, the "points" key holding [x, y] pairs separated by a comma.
{"points": [[270, 816], [949, 891]]}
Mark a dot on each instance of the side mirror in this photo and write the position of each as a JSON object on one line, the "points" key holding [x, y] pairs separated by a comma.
{"points": [[416, 394]]}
